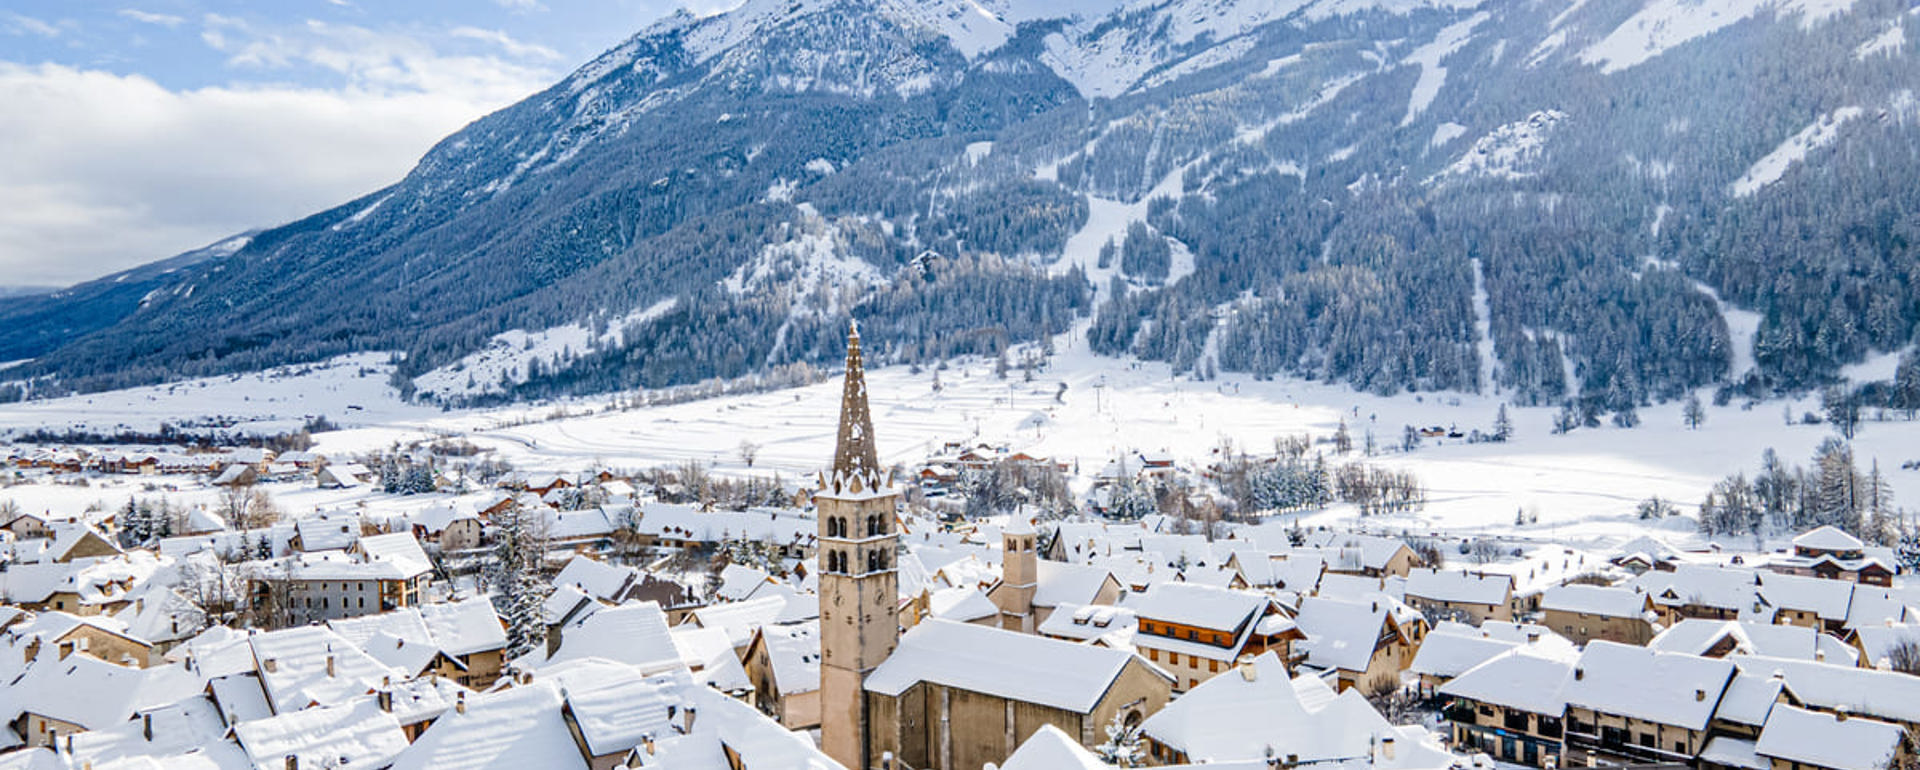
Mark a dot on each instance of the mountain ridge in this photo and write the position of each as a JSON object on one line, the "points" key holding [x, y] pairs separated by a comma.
{"points": [[1341, 171]]}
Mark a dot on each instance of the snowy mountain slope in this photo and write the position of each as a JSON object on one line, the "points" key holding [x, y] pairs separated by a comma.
{"points": [[1311, 179]]}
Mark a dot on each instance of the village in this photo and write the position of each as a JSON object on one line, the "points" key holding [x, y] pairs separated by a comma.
{"points": [[426, 607]]}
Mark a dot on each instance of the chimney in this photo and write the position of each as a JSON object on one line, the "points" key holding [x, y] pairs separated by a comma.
{"points": [[385, 699], [687, 716], [1579, 673], [460, 703], [330, 667], [1700, 696], [1386, 748], [270, 665], [146, 727], [1840, 714], [1248, 671], [293, 762]]}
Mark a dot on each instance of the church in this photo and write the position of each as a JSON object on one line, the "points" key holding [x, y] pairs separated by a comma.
{"points": [[947, 695]]}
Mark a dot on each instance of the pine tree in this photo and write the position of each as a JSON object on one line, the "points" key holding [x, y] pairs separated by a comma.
{"points": [[1342, 439], [1881, 527], [1502, 425], [518, 552], [1837, 500], [1565, 420], [133, 530], [1906, 384], [1842, 408], [1694, 413], [1122, 748]]}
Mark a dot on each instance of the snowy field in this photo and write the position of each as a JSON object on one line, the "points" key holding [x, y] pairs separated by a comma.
{"points": [[1583, 485]]}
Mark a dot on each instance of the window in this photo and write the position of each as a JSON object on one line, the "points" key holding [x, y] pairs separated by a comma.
{"points": [[1153, 655], [1214, 666]]}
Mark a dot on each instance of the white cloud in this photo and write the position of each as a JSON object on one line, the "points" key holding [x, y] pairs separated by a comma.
{"points": [[104, 171], [522, 6], [167, 20], [506, 43], [21, 24]]}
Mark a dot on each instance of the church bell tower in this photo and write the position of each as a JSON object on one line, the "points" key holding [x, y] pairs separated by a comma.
{"points": [[859, 588]]}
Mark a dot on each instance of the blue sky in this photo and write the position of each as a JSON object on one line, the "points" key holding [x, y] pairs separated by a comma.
{"points": [[133, 131]]}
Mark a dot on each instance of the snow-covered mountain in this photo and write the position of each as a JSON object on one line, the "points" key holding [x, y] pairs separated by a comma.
{"points": [[1556, 199]]}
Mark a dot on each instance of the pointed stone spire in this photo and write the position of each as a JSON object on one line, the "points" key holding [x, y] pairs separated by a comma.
{"points": [[854, 454]]}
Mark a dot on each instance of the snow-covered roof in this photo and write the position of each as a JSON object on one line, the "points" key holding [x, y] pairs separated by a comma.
{"points": [[1374, 551], [348, 735], [1058, 583], [1668, 688], [739, 619], [1032, 669], [464, 627], [1695, 636], [511, 728], [634, 634], [1875, 606], [294, 669], [1450, 655], [1072, 621], [1736, 590], [93, 693], [1604, 601], [699, 646], [340, 565], [1866, 692], [1827, 740], [1234, 717], [404, 623], [793, 651], [1340, 634], [1646, 545], [963, 604], [1050, 748], [233, 475], [1200, 606], [329, 530], [739, 581], [1749, 699], [1458, 587], [399, 549], [596, 578], [1728, 751], [1828, 538], [191, 726], [614, 705], [1879, 642], [684, 522], [240, 697], [1519, 679]]}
